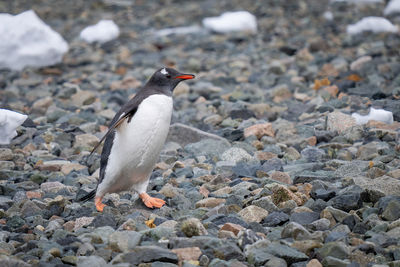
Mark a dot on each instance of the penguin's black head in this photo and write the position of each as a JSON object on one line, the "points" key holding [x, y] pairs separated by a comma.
{"points": [[168, 78]]}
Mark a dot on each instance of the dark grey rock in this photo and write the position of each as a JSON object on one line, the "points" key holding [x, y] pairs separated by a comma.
{"points": [[392, 210], [295, 231], [290, 255], [323, 194], [30, 209], [104, 220], [304, 218], [312, 154], [347, 202], [334, 249], [146, 254], [210, 246], [274, 164], [276, 262], [335, 262], [275, 219]]}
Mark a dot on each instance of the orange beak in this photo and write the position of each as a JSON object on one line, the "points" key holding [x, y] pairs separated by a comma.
{"points": [[185, 76]]}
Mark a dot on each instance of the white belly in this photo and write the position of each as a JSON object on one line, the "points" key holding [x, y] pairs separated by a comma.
{"points": [[137, 145]]}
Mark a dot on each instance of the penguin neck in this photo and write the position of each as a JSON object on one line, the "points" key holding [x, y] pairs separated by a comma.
{"points": [[160, 89]]}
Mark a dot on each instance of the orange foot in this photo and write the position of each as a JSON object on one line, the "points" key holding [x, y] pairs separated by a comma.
{"points": [[99, 206], [151, 202]]}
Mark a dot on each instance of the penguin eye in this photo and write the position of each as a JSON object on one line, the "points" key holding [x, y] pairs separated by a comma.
{"points": [[168, 76]]}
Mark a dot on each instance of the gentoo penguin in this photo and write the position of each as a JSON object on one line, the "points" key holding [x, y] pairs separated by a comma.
{"points": [[135, 138]]}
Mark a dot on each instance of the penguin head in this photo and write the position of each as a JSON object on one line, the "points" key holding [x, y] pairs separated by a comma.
{"points": [[168, 78]]}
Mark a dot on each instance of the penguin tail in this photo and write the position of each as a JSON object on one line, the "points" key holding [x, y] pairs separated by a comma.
{"points": [[89, 196]]}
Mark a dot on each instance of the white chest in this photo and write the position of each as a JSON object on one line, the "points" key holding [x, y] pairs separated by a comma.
{"points": [[137, 144], [140, 141]]}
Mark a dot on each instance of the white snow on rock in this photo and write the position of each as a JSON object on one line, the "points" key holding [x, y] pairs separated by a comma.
{"points": [[374, 114], [328, 15], [9, 121], [392, 7], [232, 21], [102, 32], [359, 2], [179, 30], [373, 24], [25, 40]]}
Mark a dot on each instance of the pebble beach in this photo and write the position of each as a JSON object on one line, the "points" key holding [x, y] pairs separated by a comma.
{"points": [[264, 164]]}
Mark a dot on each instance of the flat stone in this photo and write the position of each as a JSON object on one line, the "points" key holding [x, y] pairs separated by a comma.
{"points": [[41, 105], [82, 221], [30, 209], [184, 135], [335, 262], [296, 231], [208, 147], [83, 97], [124, 241], [360, 62], [282, 177], [86, 140], [6, 165], [314, 263], [210, 202], [265, 203], [260, 130], [392, 211], [146, 254], [84, 261], [385, 184], [335, 249], [276, 262], [253, 214], [290, 255], [346, 202], [232, 227], [52, 187], [6, 154], [169, 190], [282, 194], [306, 246], [236, 154], [53, 165], [193, 227], [69, 167], [304, 218], [257, 253], [338, 121], [188, 254], [275, 218]]}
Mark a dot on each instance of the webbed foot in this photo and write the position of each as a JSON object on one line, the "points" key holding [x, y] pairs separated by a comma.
{"points": [[151, 202]]}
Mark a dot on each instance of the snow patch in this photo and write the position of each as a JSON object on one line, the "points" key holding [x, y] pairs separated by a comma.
{"points": [[25, 40], [361, 2], [374, 114], [232, 21], [102, 32], [179, 30], [373, 24], [328, 15], [392, 7], [9, 121]]}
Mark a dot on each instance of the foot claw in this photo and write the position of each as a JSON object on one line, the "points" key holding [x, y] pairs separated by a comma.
{"points": [[99, 206], [151, 202]]}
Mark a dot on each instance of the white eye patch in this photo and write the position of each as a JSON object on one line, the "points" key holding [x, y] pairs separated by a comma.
{"points": [[164, 71]]}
